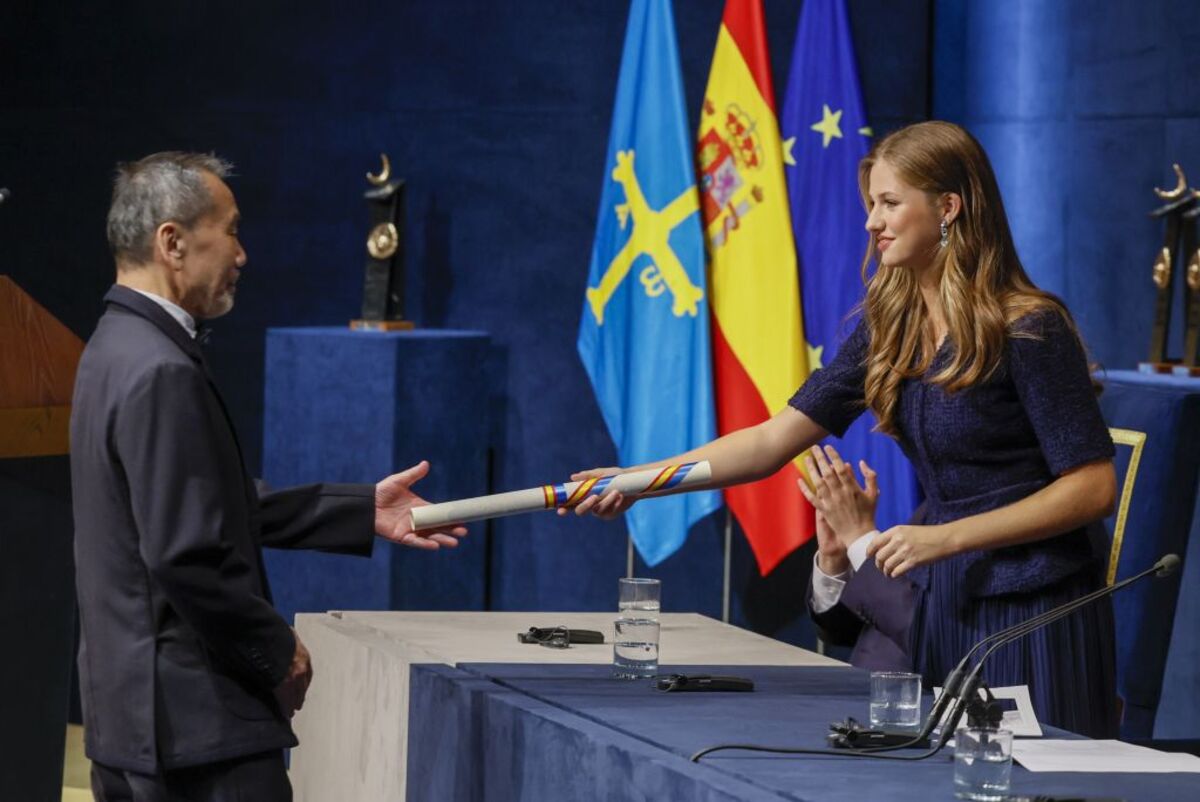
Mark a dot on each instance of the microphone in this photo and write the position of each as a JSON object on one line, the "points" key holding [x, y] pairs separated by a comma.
{"points": [[5, 194], [1168, 565], [960, 684]]}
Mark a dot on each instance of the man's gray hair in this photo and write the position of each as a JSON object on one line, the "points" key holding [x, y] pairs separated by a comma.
{"points": [[162, 187]]}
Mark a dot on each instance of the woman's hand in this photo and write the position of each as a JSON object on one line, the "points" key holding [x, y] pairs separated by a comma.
{"points": [[903, 548], [607, 505], [847, 507]]}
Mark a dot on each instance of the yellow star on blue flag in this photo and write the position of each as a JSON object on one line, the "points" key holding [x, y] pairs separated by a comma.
{"points": [[815, 352], [828, 126]]}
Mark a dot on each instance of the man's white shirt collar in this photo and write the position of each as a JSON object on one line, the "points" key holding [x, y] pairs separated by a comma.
{"points": [[174, 310]]}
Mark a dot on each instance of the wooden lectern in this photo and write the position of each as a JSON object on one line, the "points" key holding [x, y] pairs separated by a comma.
{"points": [[38, 356]]}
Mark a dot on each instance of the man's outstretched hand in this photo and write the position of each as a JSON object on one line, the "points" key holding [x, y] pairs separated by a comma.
{"points": [[394, 501]]}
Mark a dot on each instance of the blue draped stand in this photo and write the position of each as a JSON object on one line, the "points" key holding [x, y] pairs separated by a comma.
{"points": [[356, 406], [1158, 622], [573, 732]]}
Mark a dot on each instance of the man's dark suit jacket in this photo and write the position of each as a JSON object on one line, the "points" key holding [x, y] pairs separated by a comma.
{"points": [[874, 615], [181, 647]]}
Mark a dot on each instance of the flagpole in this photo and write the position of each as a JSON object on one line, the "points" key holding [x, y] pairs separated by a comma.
{"points": [[728, 552], [629, 556]]}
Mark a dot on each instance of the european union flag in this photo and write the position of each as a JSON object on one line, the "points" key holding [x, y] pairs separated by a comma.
{"points": [[644, 333], [825, 128]]}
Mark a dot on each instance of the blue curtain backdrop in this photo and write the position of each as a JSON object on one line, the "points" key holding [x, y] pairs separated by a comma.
{"points": [[496, 114]]}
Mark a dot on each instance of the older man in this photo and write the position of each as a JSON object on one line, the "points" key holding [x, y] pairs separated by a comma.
{"points": [[189, 677]]}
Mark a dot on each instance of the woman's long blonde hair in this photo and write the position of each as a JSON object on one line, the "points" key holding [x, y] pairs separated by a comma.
{"points": [[983, 287]]}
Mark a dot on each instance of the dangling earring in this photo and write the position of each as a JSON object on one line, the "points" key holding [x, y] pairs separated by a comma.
{"points": [[945, 228]]}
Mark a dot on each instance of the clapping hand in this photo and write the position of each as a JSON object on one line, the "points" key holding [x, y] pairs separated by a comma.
{"points": [[848, 508], [831, 554]]}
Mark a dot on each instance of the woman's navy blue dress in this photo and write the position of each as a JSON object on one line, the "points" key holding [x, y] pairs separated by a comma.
{"points": [[983, 448]]}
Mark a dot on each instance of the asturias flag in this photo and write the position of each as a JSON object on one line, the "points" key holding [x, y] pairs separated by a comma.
{"points": [[827, 135], [644, 336], [759, 355]]}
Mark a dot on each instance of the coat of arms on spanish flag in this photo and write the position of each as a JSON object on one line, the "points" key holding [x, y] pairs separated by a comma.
{"points": [[759, 356]]}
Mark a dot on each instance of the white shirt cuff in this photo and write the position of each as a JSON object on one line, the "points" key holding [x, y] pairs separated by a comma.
{"points": [[857, 551], [826, 589]]}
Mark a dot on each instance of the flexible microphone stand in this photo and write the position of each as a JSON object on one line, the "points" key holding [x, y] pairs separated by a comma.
{"points": [[964, 687], [1164, 567]]}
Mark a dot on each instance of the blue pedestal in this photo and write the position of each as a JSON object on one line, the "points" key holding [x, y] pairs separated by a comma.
{"points": [[1158, 621], [350, 406]]}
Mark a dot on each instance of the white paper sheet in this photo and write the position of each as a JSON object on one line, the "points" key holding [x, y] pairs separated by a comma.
{"points": [[1048, 754]]}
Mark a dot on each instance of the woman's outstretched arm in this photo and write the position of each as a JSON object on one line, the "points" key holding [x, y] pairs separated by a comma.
{"points": [[743, 456]]}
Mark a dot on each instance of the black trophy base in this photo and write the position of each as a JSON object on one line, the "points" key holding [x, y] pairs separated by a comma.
{"points": [[382, 325]]}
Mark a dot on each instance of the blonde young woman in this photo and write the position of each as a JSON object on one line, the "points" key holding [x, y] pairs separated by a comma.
{"points": [[983, 380]]}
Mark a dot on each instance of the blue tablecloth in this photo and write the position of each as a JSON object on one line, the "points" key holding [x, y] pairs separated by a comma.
{"points": [[538, 732]]}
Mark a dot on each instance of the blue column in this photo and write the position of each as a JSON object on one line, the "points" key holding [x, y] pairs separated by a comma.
{"points": [[1001, 69], [346, 406], [1082, 113]]}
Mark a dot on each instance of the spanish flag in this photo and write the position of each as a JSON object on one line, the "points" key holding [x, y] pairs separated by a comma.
{"points": [[759, 356]]}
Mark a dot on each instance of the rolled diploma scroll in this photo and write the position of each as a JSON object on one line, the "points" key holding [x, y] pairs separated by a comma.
{"points": [[569, 494]]}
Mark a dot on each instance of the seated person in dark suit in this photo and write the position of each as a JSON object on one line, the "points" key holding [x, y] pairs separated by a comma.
{"points": [[872, 614], [189, 677]]}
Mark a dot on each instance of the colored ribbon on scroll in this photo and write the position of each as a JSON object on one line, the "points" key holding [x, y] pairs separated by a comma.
{"points": [[568, 494]]}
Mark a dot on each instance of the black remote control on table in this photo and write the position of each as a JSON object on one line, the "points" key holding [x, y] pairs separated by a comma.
{"points": [[703, 682]]}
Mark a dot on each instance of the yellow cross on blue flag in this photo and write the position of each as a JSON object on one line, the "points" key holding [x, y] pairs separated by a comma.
{"points": [[644, 333], [825, 123]]}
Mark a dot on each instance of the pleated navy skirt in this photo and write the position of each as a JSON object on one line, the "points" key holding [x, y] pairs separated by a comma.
{"points": [[1069, 666]]}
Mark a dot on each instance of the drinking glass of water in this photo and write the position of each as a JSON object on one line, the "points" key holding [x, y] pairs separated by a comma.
{"points": [[635, 648], [982, 764], [895, 700], [639, 598]]}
